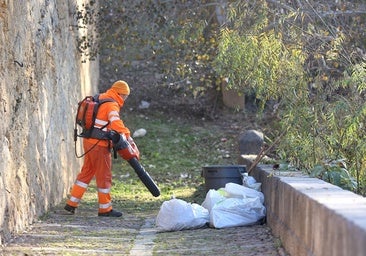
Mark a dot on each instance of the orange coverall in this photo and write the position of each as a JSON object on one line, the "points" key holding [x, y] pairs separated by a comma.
{"points": [[98, 162]]}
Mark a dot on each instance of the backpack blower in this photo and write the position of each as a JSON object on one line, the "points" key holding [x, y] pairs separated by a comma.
{"points": [[85, 117], [125, 150]]}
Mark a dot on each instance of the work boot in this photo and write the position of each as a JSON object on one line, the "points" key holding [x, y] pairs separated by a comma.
{"points": [[111, 213], [70, 209]]}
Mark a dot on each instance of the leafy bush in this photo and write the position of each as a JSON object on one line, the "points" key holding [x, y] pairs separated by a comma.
{"points": [[321, 110], [334, 172]]}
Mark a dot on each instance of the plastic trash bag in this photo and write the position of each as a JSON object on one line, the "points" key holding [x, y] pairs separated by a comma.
{"points": [[234, 212], [212, 197], [176, 214], [239, 191], [234, 205], [250, 182]]}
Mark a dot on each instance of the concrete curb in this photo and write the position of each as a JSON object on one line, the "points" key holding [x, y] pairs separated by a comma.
{"points": [[313, 217]]}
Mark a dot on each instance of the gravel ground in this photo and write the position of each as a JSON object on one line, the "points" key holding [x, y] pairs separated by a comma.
{"points": [[86, 234]]}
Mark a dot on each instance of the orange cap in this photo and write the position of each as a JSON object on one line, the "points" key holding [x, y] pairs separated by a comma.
{"points": [[121, 87]]}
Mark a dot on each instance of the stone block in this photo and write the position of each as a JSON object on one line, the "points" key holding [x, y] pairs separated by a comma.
{"points": [[250, 142]]}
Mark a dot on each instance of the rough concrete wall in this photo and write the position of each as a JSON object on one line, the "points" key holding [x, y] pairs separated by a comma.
{"points": [[41, 80]]}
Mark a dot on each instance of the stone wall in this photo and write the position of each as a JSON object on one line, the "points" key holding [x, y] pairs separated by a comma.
{"points": [[42, 78], [312, 217]]}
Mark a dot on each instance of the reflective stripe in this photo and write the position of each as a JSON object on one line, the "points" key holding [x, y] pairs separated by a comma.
{"points": [[115, 118], [113, 113], [104, 190], [74, 199], [100, 122], [105, 206], [81, 184]]}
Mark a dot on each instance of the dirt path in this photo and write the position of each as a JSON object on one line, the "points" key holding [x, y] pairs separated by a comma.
{"points": [[86, 234]]}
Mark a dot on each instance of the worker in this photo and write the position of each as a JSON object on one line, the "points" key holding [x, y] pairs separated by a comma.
{"points": [[98, 159]]}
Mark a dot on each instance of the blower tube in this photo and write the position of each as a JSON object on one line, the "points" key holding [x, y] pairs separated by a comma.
{"points": [[120, 143], [144, 177]]}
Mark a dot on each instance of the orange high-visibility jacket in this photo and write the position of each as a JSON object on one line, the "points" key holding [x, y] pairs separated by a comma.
{"points": [[109, 113]]}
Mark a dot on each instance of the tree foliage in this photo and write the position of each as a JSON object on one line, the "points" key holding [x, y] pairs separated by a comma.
{"points": [[257, 61], [327, 123], [174, 37], [306, 56]]}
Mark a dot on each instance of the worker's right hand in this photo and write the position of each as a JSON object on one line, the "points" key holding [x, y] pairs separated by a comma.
{"points": [[134, 147], [128, 153], [124, 147]]}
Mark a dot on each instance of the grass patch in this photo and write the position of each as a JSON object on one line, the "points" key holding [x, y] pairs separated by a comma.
{"points": [[173, 152]]}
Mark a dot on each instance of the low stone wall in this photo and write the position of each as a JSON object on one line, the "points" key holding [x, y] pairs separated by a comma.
{"points": [[312, 217]]}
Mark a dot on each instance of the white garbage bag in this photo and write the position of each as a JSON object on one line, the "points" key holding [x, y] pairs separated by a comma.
{"points": [[234, 212], [176, 214], [234, 205], [212, 197], [239, 191], [250, 182]]}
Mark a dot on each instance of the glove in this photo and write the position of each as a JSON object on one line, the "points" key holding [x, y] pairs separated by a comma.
{"points": [[123, 147], [128, 153], [134, 147]]}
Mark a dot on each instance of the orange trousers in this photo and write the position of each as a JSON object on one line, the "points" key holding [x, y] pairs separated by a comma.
{"points": [[98, 163]]}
